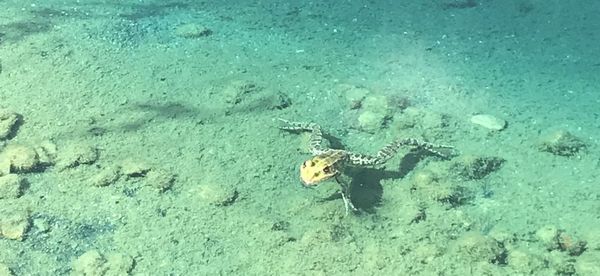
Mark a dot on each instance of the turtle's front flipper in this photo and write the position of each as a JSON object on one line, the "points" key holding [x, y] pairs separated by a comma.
{"points": [[316, 135], [391, 149]]}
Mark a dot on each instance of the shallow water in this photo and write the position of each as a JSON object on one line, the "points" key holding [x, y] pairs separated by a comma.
{"points": [[153, 149]]}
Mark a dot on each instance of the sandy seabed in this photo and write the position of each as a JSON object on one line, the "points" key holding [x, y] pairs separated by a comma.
{"points": [[138, 137]]}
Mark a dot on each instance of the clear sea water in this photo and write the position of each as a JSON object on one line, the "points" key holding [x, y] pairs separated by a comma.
{"points": [[142, 137]]}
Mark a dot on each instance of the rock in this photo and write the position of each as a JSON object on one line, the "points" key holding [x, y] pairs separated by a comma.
{"points": [[376, 103], [592, 236], [423, 178], [428, 185], [160, 179], [458, 4], [192, 30], [548, 236], [412, 212], [11, 186], [399, 102], [241, 95], [370, 121], [106, 176], [562, 143], [278, 101], [77, 154], [354, 95], [477, 247], [524, 261], [47, 152], [374, 113], [488, 121], [119, 264], [134, 168], [13, 224], [408, 119], [4, 270], [93, 263], [18, 158], [427, 253], [217, 195], [238, 91], [41, 225], [431, 124], [588, 264], [4, 166], [502, 234], [8, 123], [554, 239], [476, 167], [90, 263], [571, 244]]}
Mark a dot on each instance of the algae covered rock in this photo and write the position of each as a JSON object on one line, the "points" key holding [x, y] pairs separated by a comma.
{"points": [[476, 247], [571, 244], [476, 167], [8, 123], [588, 264], [11, 186], [238, 91], [430, 185], [18, 159], [160, 179], [371, 121], [90, 263], [376, 103], [46, 151], [246, 95], [553, 238], [548, 236], [430, 123], [106, 176], [592, 236], [355, 96], [374, 113], [524, 261], [5, 270], [217, 195], [134, 167], [562, 143], [14, 223], [77, 154], [94, 263]]}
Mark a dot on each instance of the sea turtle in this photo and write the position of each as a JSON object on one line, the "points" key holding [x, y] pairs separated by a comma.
{"points": [[328, 163]]}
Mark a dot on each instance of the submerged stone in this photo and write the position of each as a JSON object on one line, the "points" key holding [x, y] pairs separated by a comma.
{"points": [[488, 121]]}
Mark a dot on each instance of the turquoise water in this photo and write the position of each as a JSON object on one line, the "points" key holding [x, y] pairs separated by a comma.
{"points": [[140, 137]]}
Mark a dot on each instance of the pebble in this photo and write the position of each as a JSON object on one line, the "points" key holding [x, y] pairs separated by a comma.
{"points": [[93, 262], [18, 158], [13, 224], [192, 30], [8, 122], [11, 186], [77, 154], [488, 121]]}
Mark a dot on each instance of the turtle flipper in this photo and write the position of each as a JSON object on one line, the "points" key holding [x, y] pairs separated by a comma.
{"points": [[389, 150], [316, 135]]}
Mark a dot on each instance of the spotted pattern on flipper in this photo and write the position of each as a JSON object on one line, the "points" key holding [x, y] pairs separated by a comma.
{"points": [[327, 163], [389, 150], [316, 134]]}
